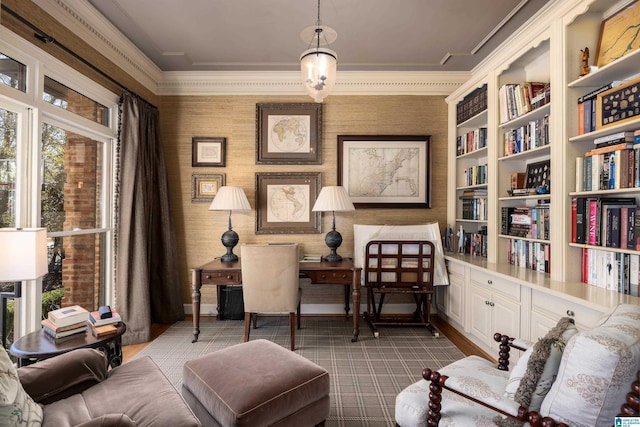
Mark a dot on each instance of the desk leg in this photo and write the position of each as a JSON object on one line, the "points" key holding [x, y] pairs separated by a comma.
{"points": [[196, 284], [346, 301], [356, 305]]}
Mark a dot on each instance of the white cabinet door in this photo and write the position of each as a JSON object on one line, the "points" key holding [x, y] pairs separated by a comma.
{"points": [[455, 299], [480, 313]]}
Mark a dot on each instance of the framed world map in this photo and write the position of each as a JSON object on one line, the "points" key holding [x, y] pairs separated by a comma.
{"points": [[386, 171], [619, 35], [288, 134]]}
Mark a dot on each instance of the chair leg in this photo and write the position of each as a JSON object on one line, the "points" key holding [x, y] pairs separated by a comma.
{"points": [[247, 325], [254, 316], [298, 315], [292, 330]]}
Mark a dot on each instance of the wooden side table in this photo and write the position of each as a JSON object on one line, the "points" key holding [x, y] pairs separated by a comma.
{"points": [[38, 346]]}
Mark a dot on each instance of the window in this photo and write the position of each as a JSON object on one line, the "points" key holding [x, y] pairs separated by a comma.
{"points": [[56, 172]]}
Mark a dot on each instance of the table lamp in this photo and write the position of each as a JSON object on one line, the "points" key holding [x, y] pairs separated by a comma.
{"points": [[231, 199], [333, 198], [23, 256]]}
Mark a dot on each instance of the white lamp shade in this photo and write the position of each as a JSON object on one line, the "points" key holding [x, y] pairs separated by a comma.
{"points": [[23, 254], [333, 198], [319, 69], [230, 199]]}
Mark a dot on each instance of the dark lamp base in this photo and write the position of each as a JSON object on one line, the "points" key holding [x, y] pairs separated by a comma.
{"points": [[333, 241], [229, 240]]}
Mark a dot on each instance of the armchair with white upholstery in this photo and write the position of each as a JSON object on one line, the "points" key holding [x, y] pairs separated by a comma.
{"points": [[567, 378]]}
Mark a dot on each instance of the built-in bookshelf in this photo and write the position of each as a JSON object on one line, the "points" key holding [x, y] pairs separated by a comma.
{"points": [[604, 178], [472, 173], [524, 103]]}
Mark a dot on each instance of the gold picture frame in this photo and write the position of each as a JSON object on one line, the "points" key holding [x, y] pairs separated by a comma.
{"points": [[617, 35], [205, 186]]}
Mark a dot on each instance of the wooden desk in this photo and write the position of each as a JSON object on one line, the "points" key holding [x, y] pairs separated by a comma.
{"points": [[218, 273]]}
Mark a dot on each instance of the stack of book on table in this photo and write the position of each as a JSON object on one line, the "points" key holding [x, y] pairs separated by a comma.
{"points": [[65, 322], [103, 326]]}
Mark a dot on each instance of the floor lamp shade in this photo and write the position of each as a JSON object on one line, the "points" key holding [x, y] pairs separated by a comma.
{"points": [[23, 254]]}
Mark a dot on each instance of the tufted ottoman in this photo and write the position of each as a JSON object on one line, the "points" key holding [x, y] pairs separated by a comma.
{"points": [[257, 383]]}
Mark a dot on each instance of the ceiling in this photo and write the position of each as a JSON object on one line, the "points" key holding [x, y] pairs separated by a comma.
{"points": [[264, 35]]}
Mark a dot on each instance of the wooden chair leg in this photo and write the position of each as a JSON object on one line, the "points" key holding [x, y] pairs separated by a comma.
{"points": [[292, 330], [298, 315], [247, 325], [254, 316]]}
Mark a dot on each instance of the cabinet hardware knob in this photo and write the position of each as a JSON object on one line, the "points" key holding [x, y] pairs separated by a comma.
{"points": [[208, 276], [491, 304], [570, 313], [229, 277], [486, 302], [490, 282]]}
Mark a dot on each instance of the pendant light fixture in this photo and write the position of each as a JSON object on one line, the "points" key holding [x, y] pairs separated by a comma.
{"points": [[318, 64]]}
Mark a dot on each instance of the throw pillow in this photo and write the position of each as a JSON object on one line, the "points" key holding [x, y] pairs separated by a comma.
{"points": [[16, 407], [535, 372]]}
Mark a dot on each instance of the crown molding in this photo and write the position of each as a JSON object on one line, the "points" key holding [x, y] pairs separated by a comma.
{"points": [[87, 23], [289, 83]]}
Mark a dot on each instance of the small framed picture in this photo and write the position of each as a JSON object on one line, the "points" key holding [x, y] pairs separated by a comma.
{"points": [[284, 202], [205, 186], [289, 134], [208, 151]]}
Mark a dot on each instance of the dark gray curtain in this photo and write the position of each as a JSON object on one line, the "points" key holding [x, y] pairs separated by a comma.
{"points": [[147, 279]]}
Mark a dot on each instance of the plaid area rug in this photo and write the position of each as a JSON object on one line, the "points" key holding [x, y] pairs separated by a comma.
{"points": [[365, 376]]}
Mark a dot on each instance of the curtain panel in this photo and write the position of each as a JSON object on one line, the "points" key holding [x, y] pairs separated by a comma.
{"points": [[146, 268]]}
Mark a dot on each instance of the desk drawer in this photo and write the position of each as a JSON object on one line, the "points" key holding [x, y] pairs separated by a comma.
{"points": [[336, 277], [221, 278]]}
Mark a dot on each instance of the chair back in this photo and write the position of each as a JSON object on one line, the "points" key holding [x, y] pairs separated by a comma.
{"points": [[270, 277]]}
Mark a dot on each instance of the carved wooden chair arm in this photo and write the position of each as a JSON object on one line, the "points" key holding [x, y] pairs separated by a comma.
{"points": [[439, 382]]}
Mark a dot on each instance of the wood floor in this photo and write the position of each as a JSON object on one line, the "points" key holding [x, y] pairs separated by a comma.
{"points": [[464, 344]]}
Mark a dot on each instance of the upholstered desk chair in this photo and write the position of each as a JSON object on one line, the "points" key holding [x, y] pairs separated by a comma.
{"points": [[270, 283]]}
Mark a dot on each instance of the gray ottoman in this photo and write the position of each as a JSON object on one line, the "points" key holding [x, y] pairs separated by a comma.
{"points": [[257, 383]]}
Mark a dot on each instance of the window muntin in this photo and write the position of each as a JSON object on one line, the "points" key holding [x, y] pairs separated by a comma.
{"points": [[13, 73], [57, 94]]}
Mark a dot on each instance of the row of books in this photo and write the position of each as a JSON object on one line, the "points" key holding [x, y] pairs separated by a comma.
{"points": [[474, 208], [471, 141], [523, 221], [475, 175], [474, 243], [611, 164], [611, 270], [610, 222], [530, 255], [587, 107], [69, 321], [533, 135], [472, 104], [518, 99]]}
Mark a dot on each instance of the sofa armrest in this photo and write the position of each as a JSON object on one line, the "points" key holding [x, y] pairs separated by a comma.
{"points": [[506, 344], [64, 375]]}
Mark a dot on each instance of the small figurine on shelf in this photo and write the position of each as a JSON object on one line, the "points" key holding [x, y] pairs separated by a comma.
{"points": [[584, 68], [461, 240]]}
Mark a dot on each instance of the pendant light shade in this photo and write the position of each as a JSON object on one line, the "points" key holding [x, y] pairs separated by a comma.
{"points": [[318, 65]]}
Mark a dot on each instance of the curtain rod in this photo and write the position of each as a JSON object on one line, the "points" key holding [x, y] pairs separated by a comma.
{"points": [[47, 39]]}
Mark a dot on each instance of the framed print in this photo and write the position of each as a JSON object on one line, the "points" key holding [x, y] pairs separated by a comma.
{"points": [[618, 105], [288, 134], [204, 187], [382, 171], [208, 151], [284, 202], [619, 35]]}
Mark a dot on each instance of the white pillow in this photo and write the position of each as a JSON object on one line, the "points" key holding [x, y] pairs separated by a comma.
{"points": [[549, 372], [17, 408]]}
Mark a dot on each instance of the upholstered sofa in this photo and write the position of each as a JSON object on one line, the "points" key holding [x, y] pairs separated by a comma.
{"points": [[584, 378], [77, 389]]}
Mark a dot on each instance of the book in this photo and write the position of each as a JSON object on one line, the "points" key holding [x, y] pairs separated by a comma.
{"points": [[103, 330], [623, 135], [95, 320], [311, 258], [68, 315], [63, 334], [46, 323]]}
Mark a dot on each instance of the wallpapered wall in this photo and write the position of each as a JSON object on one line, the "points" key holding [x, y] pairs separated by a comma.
{"points": [[234, 117]]}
